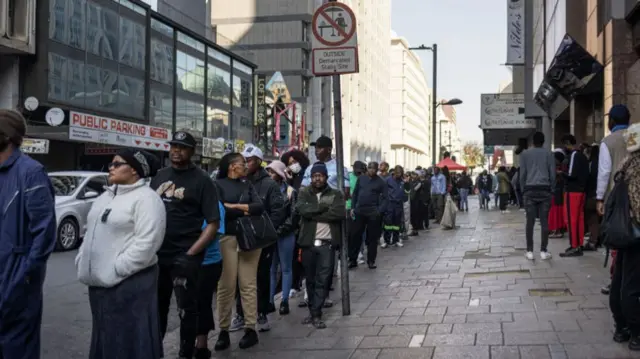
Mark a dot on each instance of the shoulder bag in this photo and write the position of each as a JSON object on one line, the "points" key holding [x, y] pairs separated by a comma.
{"points": [[255, 232]]}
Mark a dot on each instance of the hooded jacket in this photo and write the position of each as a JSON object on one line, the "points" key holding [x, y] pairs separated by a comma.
{"points": [[125, 229], [272, 198], [291, 221]]}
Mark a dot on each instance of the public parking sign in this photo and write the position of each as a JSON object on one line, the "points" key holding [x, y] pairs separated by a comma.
{"points": [[335, 44]]}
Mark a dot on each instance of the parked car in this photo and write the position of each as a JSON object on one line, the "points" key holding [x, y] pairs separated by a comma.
{"points": [[75, 193]]}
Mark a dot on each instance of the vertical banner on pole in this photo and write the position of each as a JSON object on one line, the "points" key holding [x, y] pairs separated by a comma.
{"points": [[335, 52], [515, 32]]}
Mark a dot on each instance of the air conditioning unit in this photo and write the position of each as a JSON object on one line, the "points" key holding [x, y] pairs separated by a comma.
{"points": [[17, 26]]}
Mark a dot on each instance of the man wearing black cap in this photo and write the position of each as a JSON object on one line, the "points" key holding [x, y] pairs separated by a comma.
{"points": [[28, 224], [324, 147], [190, 198]]}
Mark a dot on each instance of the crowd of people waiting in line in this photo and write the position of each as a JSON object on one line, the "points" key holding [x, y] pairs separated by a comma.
{"points": [[183, 235]]}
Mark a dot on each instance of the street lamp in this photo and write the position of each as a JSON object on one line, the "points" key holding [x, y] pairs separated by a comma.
{"points": [[434, 103]]}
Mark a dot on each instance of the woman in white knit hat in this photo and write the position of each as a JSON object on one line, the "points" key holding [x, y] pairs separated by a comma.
{"points": [[283, 256]]}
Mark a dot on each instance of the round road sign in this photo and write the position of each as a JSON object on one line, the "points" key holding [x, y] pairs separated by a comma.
{"points": [[333, 24]]}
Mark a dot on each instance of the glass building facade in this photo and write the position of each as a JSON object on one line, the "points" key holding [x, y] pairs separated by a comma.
{"points": [[119, 58]]}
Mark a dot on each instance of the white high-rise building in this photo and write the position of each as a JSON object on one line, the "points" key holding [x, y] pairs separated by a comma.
{"points": [[410, 116], [365, 96], [448, 137]]}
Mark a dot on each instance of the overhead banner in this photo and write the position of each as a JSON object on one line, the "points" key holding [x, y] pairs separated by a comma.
{"points": [[515, 32]]}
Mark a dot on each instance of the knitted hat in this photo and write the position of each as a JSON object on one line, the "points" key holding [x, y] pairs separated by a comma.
{"points": [[319, 167], [279, 168], [143, 162]]}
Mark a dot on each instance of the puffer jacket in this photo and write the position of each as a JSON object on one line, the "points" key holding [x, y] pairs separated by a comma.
{"points": [[292, 220]]}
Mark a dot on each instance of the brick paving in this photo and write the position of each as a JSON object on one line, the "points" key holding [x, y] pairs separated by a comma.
{"points": [[465, 293]]}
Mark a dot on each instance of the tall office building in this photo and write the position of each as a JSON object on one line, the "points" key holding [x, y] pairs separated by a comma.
{"points": [[448, 137], [410, 112]]}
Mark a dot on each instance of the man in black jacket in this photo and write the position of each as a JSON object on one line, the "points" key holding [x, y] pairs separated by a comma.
{"points": [[368, 203], [575, 189], [274, 203]]}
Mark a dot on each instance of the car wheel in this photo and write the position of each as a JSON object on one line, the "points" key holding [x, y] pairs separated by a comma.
{"points": [[68, 235]]}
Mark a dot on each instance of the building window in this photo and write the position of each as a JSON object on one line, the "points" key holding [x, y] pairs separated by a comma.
{"points": [[67, 22], [103, 28], [241, 93], [161, 62], [161, 109], [190, 72], [190, 116], [132, 44], [217, 123], [218, 84]]}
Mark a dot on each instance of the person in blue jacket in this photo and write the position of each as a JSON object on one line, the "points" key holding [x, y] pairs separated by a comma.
{"points": [[207, 285], [27, 238], [394, 213]]}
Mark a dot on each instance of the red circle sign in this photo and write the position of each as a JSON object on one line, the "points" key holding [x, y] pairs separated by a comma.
{"points": [[322, 13]]}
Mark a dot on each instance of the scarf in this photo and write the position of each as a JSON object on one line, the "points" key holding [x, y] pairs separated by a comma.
{"points": [[631, 168]]}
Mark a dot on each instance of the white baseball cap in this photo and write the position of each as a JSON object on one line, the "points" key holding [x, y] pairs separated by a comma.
{"points": [[251, 150]]}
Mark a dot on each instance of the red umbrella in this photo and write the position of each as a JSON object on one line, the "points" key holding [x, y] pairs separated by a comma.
{"points": [[452, 166]]}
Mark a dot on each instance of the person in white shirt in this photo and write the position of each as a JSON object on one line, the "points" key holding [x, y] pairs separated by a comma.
{"points": [[117, 261]]}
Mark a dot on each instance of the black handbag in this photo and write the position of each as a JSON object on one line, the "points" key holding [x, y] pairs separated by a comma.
{"points": [[255, 232]]}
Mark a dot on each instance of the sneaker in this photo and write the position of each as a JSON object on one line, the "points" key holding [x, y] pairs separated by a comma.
{"points": [[529, 255], [318, 323], [372, 265], [202, 353], [361, 259], [284, 308], [606, 289], [249, 339], [328, 303], [634, 343], [292, 293], [223, 342], [353, 264], [399, 244], [237, 323], [263, 323], [545, 255], [384, 245], [307, 320], [621, 335], [303, 304], [573, 252]]}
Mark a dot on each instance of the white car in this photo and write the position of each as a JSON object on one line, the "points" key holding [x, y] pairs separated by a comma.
{"points": [[75, 193]]}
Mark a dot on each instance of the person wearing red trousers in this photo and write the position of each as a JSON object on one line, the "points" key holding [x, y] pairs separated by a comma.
{"points": [[576, 179]]}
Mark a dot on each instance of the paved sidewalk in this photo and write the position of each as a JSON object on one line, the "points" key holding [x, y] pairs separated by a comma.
{"points": [[467, 293]]}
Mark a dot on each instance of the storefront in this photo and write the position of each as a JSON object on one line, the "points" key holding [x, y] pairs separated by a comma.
{"points": [[119, 74]]}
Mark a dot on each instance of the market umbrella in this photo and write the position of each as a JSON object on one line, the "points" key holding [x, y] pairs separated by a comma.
{"points": [[452, 166]]}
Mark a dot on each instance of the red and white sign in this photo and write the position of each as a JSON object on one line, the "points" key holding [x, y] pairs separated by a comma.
{"points": [[90, 128], [335, 43]]}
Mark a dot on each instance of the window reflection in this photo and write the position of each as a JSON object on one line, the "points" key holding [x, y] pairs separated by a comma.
{"points": [[161, 109], [161, 62], [132, 41], [218, 84], [189, 116], [217, 123], [241, 93], [102, 32], [67, 22], [131, 95], [190, 73]]}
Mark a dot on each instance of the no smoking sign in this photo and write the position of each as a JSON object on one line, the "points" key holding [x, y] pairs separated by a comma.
{"points": [[335, 45]]}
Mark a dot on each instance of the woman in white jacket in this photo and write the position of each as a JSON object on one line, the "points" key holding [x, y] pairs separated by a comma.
{"points": [[117, 261]]}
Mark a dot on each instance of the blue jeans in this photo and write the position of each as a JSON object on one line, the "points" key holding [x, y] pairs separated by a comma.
{"points": [[284, 257], [464, 198]]}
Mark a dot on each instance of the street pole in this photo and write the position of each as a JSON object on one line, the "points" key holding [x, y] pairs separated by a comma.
{"points": [[344, 265], [434, 103]]}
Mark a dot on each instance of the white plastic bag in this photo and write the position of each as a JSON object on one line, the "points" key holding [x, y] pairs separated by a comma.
{"points": [[449, 216]]}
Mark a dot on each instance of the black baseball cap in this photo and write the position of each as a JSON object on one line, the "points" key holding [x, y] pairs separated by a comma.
{"points": [[323, 142], [183, 138]]}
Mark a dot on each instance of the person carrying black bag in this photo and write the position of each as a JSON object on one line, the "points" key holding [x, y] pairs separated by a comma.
{"points": [[190, 198]]}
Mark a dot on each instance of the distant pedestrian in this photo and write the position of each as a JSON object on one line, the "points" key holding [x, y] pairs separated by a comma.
{"points": [[577, 177], [392, 219], [118, 261], [537, 180], [438, 191], [28, 224]]}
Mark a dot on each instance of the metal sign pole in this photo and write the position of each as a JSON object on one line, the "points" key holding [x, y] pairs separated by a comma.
{"points": [[344, 243]]}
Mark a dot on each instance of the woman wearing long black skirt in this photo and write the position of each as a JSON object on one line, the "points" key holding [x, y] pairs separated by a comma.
{"points": [[117, 261]]}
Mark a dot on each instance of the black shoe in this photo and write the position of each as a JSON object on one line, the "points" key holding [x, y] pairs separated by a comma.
{"points": [[574, 252], [223, 342], [249, 339], [353, 264], [202, 353], [372, 265], [606, 290], [284, 308], [307, 320], [621, 335], [589, 248], [328, 303], [318, 323], [303, 304], [634, 343]]}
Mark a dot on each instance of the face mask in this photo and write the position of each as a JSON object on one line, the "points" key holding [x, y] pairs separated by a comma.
{"points": [[295, 168]]}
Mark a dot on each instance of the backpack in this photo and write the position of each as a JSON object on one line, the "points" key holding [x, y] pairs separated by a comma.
{"points": [[619, 230]]}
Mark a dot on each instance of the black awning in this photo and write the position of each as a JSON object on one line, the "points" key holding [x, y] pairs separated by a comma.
{"points": [[572, 72]]}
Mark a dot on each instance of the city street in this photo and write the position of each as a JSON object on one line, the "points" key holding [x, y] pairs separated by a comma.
{"points": [[468, 293]]}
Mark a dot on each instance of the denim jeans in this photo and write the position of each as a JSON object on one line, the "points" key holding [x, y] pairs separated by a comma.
{"points": [[537, 205], [464, 198], [283, 256]]}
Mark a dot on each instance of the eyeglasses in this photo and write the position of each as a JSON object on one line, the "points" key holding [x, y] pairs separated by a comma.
{"points": [[116, 164]]}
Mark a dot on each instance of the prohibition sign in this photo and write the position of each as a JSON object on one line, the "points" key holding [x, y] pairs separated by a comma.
{"points": [[323, 13]]}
